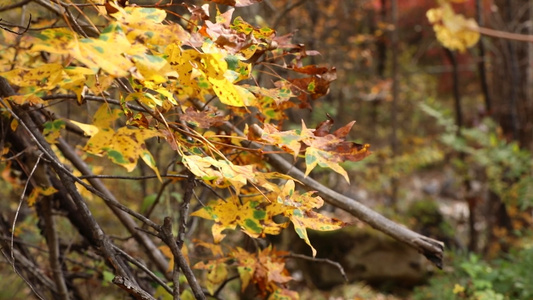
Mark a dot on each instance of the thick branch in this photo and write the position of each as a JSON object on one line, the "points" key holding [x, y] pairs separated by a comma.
{"points": [[430, 248]]}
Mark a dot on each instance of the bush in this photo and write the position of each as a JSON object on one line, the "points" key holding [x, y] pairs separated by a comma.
{"points": [[472, 278]]}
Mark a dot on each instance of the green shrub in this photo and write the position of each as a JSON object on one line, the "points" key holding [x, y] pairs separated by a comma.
{"points": [[472, 278]]}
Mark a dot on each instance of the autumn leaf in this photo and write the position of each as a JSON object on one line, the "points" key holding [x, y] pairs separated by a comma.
{"points": [[255, 215], [284, 294], [315, 86], [203, 119], [124, 146], [322, 148], [252, 216], [215, 249], [454, 31], [266, 269], [39, 191], [52, 130], [216, 276], [168, 254], [298, 208], [145, 24], [45, 77]]}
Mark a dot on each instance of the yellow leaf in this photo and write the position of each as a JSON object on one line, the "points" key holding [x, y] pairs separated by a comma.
{"points": [[30, 99], [106, 55], [45, 77], [52, 130], [457, 289], [215, 69], [216, 276], [14, 124], [314, 157], [453, 30], [39, 191], [144, 24], [168, 254], [77, 77], [88, 129], [123, 147], [54, 40]]}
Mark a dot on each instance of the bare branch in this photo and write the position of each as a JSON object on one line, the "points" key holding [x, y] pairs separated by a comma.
{"points": [[320, 260], [144, 268], [166, 236], [132, 289], [53, 248], [14, 5]]}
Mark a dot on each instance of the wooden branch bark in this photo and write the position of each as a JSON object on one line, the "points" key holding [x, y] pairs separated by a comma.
{"points": [[430, 248], [166, 235], [132, 288], [53, 248]]}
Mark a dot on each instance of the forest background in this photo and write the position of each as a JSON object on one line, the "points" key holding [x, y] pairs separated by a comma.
{"points": [[441, 90]]}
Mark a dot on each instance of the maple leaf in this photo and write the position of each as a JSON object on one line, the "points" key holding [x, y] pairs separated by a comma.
{"points": [[315, 86], [266, 268], [124, 146], [52, 130], [251, 216], [168, 254], [272, 102], [284, 294], [145, 24], [321, 147], [299, 209], [223, 173], [255, 216], [203, 119]]}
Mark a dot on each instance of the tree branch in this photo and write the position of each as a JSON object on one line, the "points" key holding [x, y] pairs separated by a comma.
{"points": [[53, 248], [132, 288], [430, 248], [320, 260], [166, 236], [144, 268]]}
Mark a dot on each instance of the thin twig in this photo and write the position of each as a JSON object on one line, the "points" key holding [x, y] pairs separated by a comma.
{"points": [[167, 237], [141, 266], [132, 288], [20, 205], [53, 247], [132, 177], [99, 238], [149, 211], [190, 184], [29, 267], [93, 98], [320, 260]]}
